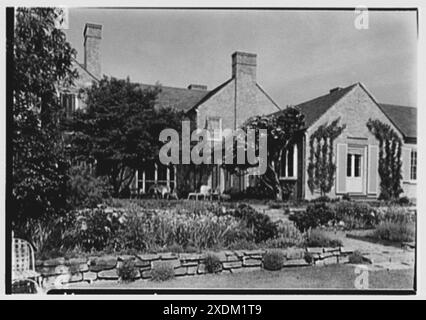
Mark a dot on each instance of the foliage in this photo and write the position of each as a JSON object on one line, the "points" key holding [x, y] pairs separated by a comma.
{"points": [[356, 258], [259, 191], [260, 224], [309, 258], [94, 229], [316, 214], [288, 236], [396, 214], [319, 238], [401, 231], [273, 260], [283, 129], [119, 129], [127, 270], [212, 263], [356, 215], [389, 159], [322, 166], [85, 190], [162, 271], [42, 60]]}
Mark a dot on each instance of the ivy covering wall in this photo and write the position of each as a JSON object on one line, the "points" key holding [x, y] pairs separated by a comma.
{"points": [[322, 166], [390, 163]]}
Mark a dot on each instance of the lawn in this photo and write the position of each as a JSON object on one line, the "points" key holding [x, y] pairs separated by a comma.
{"points": [[327, 277]]}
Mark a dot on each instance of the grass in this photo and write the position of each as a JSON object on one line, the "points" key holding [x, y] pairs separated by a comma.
{"points": [[327, 277]]}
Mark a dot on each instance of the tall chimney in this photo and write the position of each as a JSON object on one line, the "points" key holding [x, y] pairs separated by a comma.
{"points": [[92, 51], [244, 66]]}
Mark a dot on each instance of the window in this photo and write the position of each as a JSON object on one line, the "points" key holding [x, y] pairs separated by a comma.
{"points": [[413, 165], [68, 102], [289, 163], [214, 126]]}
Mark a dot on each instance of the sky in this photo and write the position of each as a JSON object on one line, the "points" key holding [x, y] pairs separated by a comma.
{"points": [[300, 54]]}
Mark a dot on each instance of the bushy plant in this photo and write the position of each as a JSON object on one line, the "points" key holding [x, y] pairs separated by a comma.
{"points": [[127, 270], [85, 190], [243, 244], [162, 271], [94, 229], [356, 258], [260, 224], [356, 215], [319, 238], [316, 214], [273, 260], [288, 236], [212, 263], [309, 258], [259, 192], [396, 214], [395, 231]]}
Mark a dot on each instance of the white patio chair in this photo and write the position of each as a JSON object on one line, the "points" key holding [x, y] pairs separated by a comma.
{"points": [[205, 192], [23, 263]]}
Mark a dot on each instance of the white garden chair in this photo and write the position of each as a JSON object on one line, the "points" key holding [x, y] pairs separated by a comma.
{"points": [[23, 263], [205, 192]]}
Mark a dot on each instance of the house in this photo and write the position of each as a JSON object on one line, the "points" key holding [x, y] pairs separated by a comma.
{"points": [[356, 149], [227, 106], [89, 70], [240, 97]]}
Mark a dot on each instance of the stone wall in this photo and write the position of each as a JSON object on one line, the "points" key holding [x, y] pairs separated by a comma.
{"points": [[59, 271]]}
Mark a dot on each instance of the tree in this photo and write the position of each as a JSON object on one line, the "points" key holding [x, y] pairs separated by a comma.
{"points": [[322, 166], [119, 130], [41, 60], [283, 129]]}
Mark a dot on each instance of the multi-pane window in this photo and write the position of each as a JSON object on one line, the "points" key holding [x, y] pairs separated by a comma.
{"points": [[214, 126], [413, 165]]}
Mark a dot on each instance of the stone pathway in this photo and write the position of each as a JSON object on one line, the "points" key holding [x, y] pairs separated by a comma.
{"points": [[381, 256]]}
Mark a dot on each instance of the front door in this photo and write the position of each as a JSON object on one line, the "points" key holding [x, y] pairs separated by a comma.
{"points": [[355, 170]]}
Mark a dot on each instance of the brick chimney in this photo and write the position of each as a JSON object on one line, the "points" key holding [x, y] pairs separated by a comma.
{"points": [[244, 66], [92, 48]]}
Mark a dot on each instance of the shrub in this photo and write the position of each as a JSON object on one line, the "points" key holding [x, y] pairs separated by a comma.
{"points": [[162, 271], [318, 238], [85, 190], [273, 260], [356, 258], [309, 258], [396, 214], [403, 201], [258, 192], [288, 235], [321, 199], [395, 231], [260, 224], [346, 197], [127, 271], [315, 215], [356, 215], [212, 263]]}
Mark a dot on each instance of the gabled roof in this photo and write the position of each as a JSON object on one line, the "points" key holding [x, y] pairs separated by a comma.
{"points": [[80, 67], [179, 98], [405, 118], [315, 108]]}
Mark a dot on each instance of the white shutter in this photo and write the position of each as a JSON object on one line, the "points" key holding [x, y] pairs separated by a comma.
{"points": [[405, 157], [342, 150], [373, 169]]}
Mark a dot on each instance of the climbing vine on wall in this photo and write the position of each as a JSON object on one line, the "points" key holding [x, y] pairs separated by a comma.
{"points": [[322, 166], [390, 163]]}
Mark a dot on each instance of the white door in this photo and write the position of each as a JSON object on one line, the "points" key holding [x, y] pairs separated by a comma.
{"points": [[354, 170]]}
